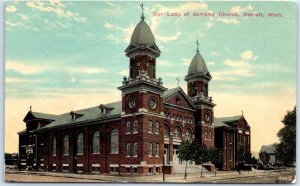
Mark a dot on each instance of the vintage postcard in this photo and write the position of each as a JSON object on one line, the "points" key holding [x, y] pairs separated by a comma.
{"points": [[150, 92]]}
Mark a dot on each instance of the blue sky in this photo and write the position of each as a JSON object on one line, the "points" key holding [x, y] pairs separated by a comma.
{"points": [[56, 50]]}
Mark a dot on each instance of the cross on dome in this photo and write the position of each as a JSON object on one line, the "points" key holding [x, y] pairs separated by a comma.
{"points": [[197, 43], [142, 7]]}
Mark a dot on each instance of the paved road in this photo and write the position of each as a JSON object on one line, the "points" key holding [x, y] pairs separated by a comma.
{"points": [[225, 177], [262, 179]]}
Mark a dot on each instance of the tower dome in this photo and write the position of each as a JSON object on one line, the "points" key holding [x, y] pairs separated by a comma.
{"points": [[197, 65], [142, 34]]}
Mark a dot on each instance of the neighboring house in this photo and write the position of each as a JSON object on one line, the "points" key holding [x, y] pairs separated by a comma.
{"points": [[271, 150], [141, 132]]}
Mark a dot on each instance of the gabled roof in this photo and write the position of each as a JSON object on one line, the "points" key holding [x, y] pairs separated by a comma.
{"points": [[88, 115], [270, 149], [171, 92], [231, 118], [218, 123], [38, 115]]}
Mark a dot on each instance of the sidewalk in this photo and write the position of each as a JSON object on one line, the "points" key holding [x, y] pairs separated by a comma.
{"points": [[173, 178]]}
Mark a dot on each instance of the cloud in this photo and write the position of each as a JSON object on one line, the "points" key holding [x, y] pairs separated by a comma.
{"points": [[211, 63], [10, 9], [248, 55], [239, 9], [236, 63], [56, 7], [228, 21], [168, 38], [208, 25], [214, 53], [22, 80], [109, 25], [185, 61], [25, 69], [125, 35], [84, 70], [163, 63]]}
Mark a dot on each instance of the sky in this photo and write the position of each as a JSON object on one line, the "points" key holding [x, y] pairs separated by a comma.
{"points": [[68, 55]]}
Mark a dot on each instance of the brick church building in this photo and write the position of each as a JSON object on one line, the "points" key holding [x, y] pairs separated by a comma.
{"points": [[140, 133]]}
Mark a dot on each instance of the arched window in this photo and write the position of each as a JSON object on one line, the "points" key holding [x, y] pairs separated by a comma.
{"points": [[177, 133], [80, 144], [188, 134], [135, 149], [96, 142], [66, 145], [54, 147], [166, 132], [128, 149], [156, 127], [114, 143]]}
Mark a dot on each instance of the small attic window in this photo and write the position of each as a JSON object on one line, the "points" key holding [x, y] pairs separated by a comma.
{"points": [[104, 109], [75, 115]]}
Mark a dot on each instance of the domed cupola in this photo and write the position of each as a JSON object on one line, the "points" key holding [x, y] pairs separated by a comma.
{"points": [[198, 76], [197, 65], [142, 35], [142, 41]]}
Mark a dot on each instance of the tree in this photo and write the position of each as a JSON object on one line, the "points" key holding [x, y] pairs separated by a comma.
{"points": [[186, 153], [264, 157], [200, 155], [215, 156], [286, 149]]}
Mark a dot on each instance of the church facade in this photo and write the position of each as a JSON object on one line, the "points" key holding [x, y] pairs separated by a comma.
{"points": [[139, 134]]}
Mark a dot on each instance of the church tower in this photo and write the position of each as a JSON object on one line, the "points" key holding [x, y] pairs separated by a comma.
{"points": [[142, 104], [198, 78]]}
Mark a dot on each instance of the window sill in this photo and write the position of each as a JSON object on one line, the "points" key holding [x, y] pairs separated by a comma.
{"points": [[95, 153], [134, 132], [157, 156], [150, 132], [79, 154], [150, 156], [128, 156], [127, 133], [65, 155], [114, 153], [156, 132], [52, 155], [134, 156]]}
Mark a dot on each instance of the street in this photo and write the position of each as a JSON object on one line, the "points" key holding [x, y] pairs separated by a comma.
{"points": [[285, 176]]}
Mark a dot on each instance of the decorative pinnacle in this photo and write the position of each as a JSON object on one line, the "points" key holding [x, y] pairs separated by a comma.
{"points": [[30, 108], [177, 79], [197, 43], [142, 7]]}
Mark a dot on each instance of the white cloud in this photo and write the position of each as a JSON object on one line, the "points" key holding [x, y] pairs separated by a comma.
{"points": [[247, 54], [84, 70], [22, 80], [214, 53], [169, 37], [228, 21], [163, 63], [236, 63], [57, 7], [23, 68], [211, 63], [209, 25], [185, 61], [239, 9], [109, 25], [10, 9]]}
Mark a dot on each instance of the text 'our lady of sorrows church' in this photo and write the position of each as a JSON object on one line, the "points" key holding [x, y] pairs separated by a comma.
{"points": [[142, 132]]}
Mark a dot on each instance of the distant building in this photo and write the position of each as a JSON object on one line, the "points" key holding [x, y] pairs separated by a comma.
{"points": [[271, 150], [232, 135], [141, 132]]}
